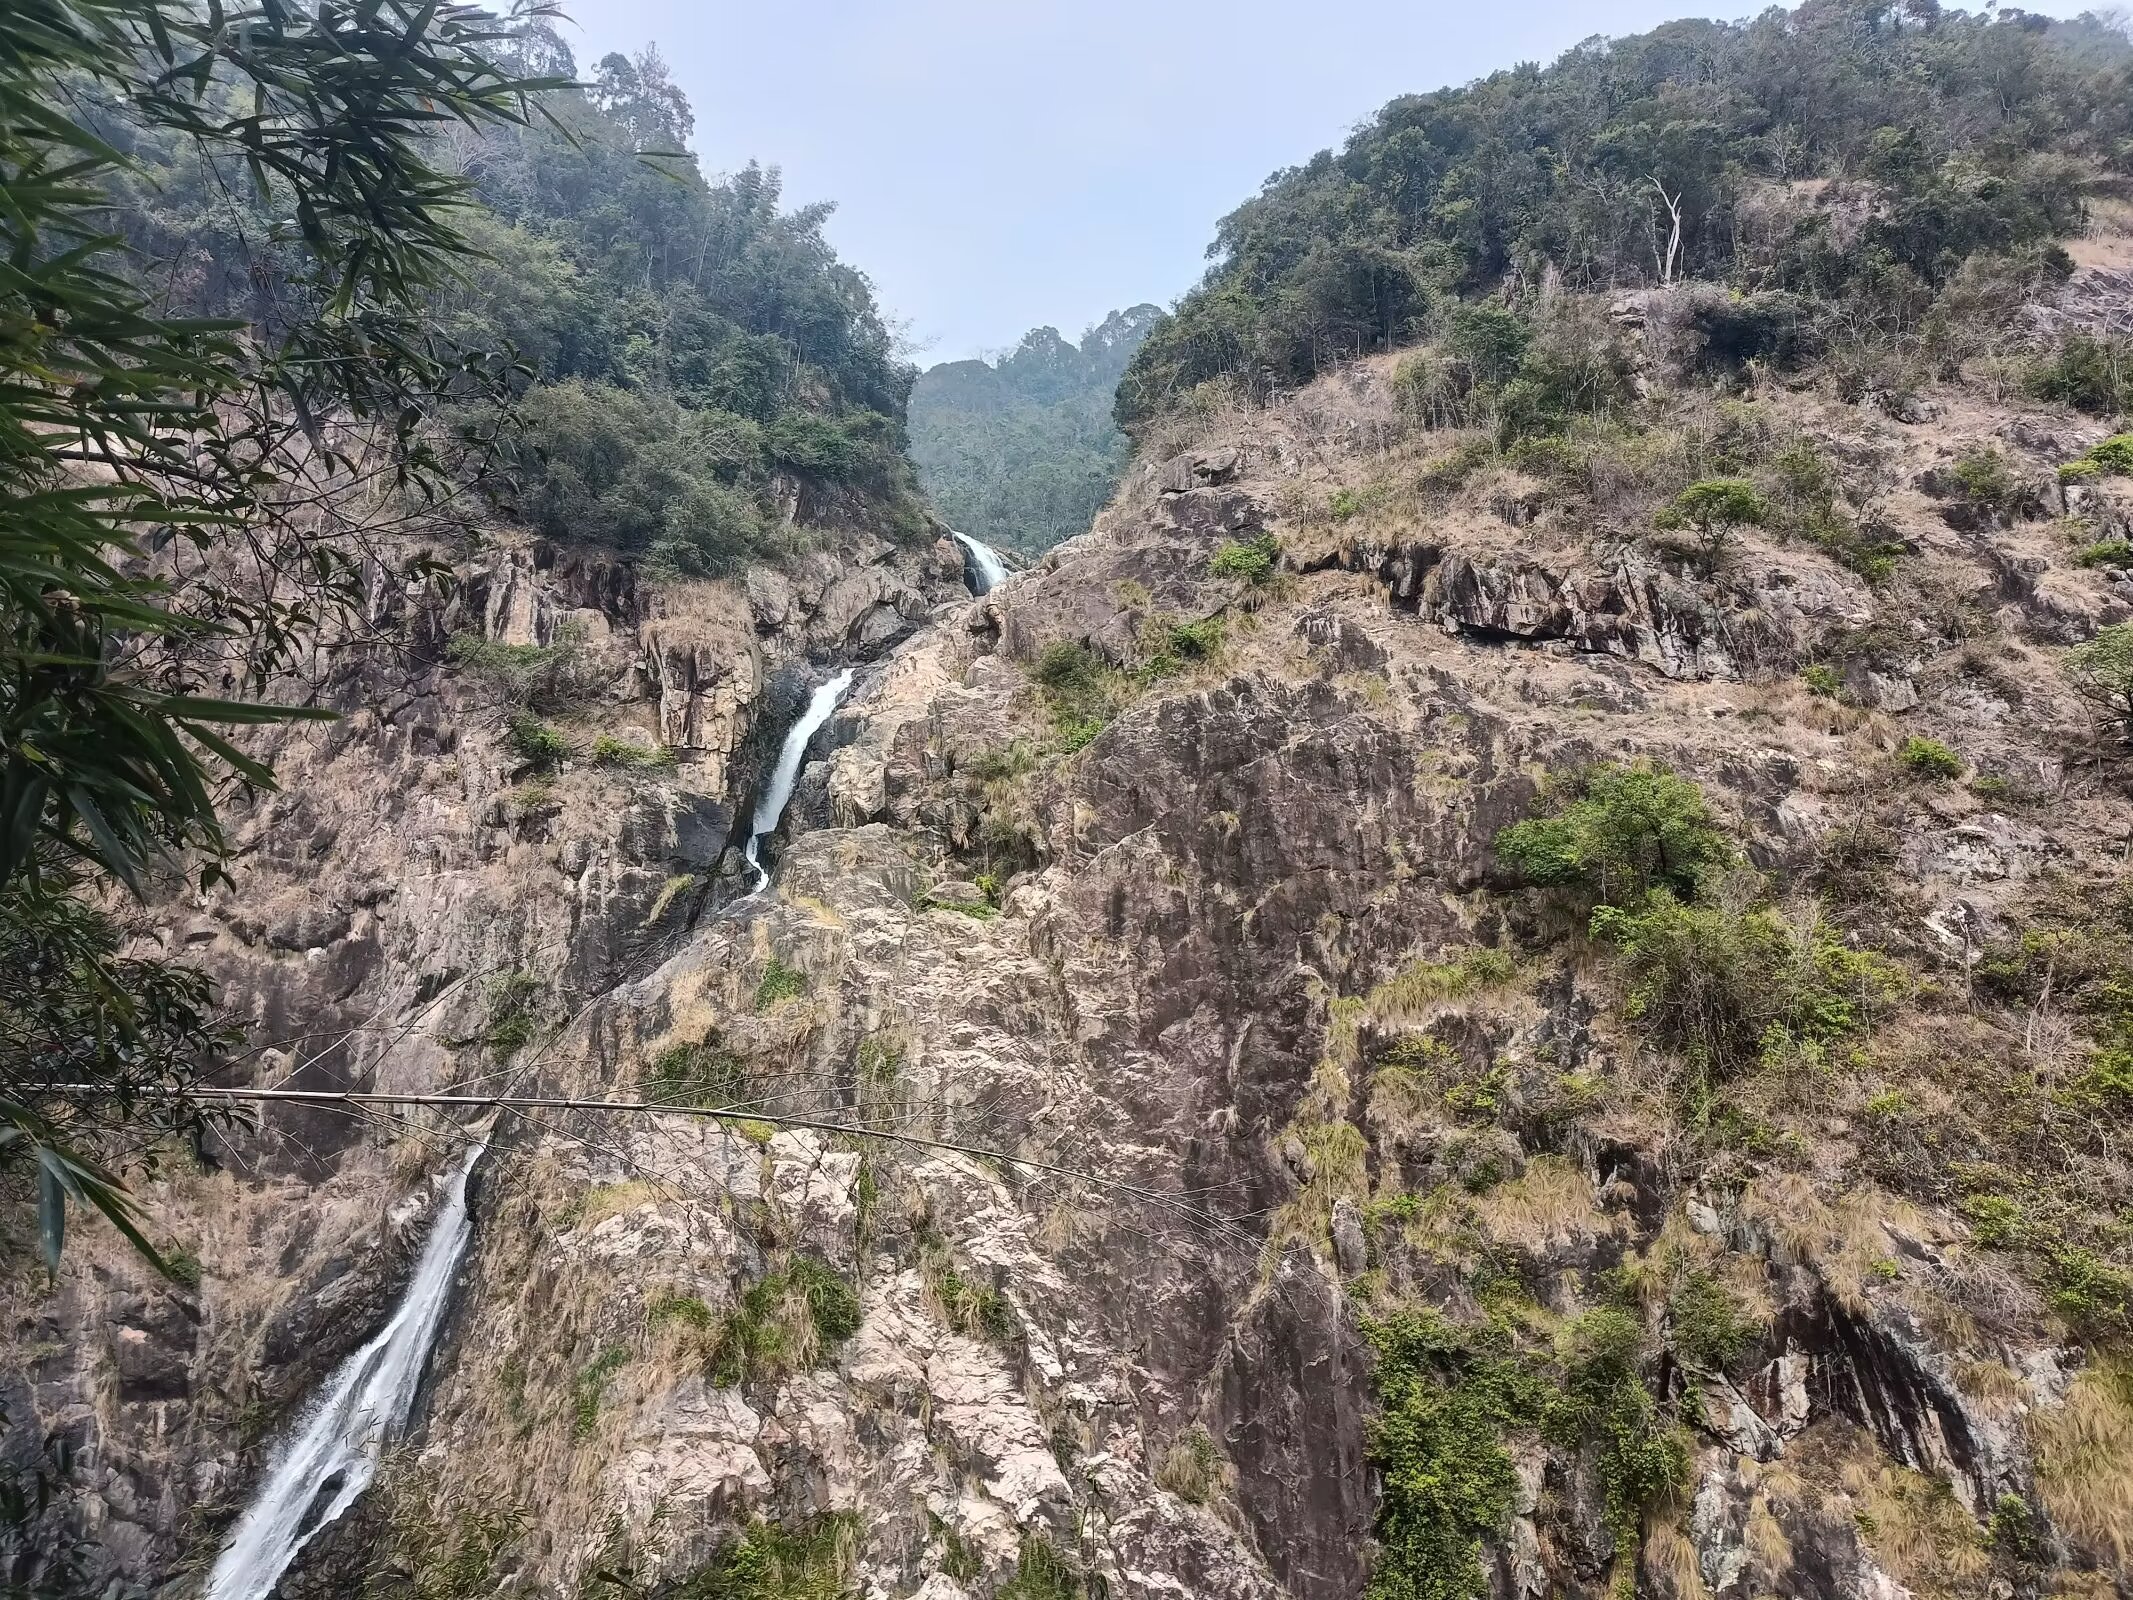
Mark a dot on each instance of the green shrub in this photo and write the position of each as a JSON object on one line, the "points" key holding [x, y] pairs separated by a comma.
{"points": [[2088, 373], [2079, 471], [779, 984], [1727, 987], [1997, 1221], [1714, 507], [1448, 471], [608, 751], [2102, 671], [2107, 553], [1705, 1324], [183, 1267], [538, 678], [1447, 1483], [2108, 1078], [1448, 1397], [1079, 689], [1983, 478], [1929, 758], [1860, 544], [2093, 1296], [1170, 645], [1343, 504], [1253, 560], [2013, 1531], [534, 742], [2114, 455], [1623, 832], [513, 999], [1823, 681], [1602, 1402], [1489, 342]]}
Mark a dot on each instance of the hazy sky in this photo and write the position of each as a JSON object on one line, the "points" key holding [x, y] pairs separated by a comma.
{"points": [[997, 166]]}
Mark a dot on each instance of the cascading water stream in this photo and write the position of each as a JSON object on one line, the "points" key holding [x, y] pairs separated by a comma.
{"points": [[985, 563], [770, 809], [318, 1472]]}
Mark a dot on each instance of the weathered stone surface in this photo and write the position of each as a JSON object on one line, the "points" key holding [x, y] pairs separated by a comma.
{"points": [[1106, 1318]]}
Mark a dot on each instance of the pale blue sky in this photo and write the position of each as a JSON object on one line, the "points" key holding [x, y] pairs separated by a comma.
{"points": [[1001, 166]]}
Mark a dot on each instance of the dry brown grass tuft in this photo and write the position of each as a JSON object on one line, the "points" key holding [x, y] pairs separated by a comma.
{"points": [[1548, 1207], [2084, 1453], [1845, 1241], [1670, 1559], [1918, 1530], [614, 1200]]}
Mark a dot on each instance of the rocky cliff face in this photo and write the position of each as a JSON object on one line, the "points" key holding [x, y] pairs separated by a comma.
{"points": [[1139, 1020]]}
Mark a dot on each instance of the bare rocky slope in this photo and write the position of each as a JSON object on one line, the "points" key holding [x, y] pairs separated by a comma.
{"points": [[1174, 880]]}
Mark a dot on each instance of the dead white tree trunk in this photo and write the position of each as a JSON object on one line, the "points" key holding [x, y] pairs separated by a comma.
{"points": [[1672, 202]]}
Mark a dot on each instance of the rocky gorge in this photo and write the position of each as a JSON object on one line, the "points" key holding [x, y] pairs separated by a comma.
{"points": [[1144, 1073]]}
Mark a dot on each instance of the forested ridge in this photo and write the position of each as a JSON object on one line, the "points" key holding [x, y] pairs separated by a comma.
{"points": [[1841, 162], [691, 359], [1022, 451]]}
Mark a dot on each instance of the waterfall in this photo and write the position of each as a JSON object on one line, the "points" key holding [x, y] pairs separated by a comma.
{"points": [[985, 562], [318, 1471], [771, 807]]}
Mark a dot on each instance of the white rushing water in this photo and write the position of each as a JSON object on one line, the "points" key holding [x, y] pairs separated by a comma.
{"points": [[985, 562], [318, 1471], [771, 807]]}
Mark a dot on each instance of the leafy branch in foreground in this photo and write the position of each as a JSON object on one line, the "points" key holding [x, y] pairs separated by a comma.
{"points": [[142, 450]]}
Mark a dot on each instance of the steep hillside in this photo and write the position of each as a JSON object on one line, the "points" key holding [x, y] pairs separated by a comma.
{"points": [[1021, 452]]}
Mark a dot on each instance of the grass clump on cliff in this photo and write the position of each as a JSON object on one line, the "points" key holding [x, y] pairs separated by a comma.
{"points": [[629, 756], [1193, 1468], [792, 1318], [778, 984], [704, 1073], [546, 679], [974, 1309], [1253, 560], [1043, 1573], [1080, 691], [445, 1556], [772, 1562], [1169, 647], [589, 1388]]}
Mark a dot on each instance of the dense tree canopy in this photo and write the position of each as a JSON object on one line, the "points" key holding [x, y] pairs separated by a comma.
{"points": [[705, 340], [1699, 149], [612, 267], [1021, 452]]}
